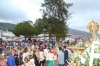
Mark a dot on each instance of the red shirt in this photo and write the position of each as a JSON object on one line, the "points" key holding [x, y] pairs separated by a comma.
{"points": [[15, 51], [54, 52]]}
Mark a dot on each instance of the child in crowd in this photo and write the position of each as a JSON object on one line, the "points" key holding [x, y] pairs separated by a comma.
{"points": [[27, 62], [32, 63], [5, 59]]}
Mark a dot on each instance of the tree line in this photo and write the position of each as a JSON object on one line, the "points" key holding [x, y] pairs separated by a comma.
{"points": [[54, 18]]}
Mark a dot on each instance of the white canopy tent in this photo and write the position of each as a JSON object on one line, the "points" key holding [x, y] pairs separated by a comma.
{"points": [[8, 34]]}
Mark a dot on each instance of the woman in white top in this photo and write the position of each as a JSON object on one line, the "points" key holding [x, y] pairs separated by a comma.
{"points": [[32, 62], [50, 58], [41, 55], [27, 61], [25, 54]]}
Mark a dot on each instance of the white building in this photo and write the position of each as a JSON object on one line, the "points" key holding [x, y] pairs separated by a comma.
{"points": [[6, 35]]}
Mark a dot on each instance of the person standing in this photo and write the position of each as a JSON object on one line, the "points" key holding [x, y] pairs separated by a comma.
{"points": [[27, 61], [25, 54], [57, 48], [32, 61], [65, 55], [50, 58], [46, 51], [60, 57], [2, 62], [42, 57], [55, 55], [10, 60], [36, 57]]}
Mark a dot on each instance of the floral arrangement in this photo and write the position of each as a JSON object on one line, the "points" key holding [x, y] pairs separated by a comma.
{"points": [[83, 60], [80, 44]]}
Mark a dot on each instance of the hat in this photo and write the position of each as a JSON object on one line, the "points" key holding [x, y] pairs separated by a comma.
{"points": [[8, 53]]}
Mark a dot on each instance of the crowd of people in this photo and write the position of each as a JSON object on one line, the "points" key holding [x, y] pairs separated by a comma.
{"points": [[34, 53]]}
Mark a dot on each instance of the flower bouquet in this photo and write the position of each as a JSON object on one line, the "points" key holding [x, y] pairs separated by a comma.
{"points": [[84, 59]]}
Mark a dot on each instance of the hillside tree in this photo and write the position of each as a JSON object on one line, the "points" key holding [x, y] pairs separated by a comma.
{"points": [[38, 26], [56, 13], [23, 28]]}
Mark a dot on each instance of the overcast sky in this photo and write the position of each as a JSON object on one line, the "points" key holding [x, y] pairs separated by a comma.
{"points": [[15, 11]]}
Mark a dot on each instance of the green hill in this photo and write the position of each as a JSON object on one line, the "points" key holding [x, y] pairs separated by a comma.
{"points": [[8, 26], [11, 26]]}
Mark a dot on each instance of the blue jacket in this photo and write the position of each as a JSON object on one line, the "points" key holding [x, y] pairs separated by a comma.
{"points": [[11, 61], [66, 55]]}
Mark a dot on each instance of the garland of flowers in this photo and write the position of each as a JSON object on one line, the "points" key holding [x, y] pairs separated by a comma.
{"points": [[83, 60]]}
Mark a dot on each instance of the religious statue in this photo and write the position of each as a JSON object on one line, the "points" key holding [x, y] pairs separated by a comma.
{"points": [[93, 27], [86, 42]]}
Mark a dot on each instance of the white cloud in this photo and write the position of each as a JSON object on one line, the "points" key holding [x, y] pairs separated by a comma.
{"points": [[19, 10], [6, 21], [30, 7], [83, 11], [9, 11], [80, 21]]}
